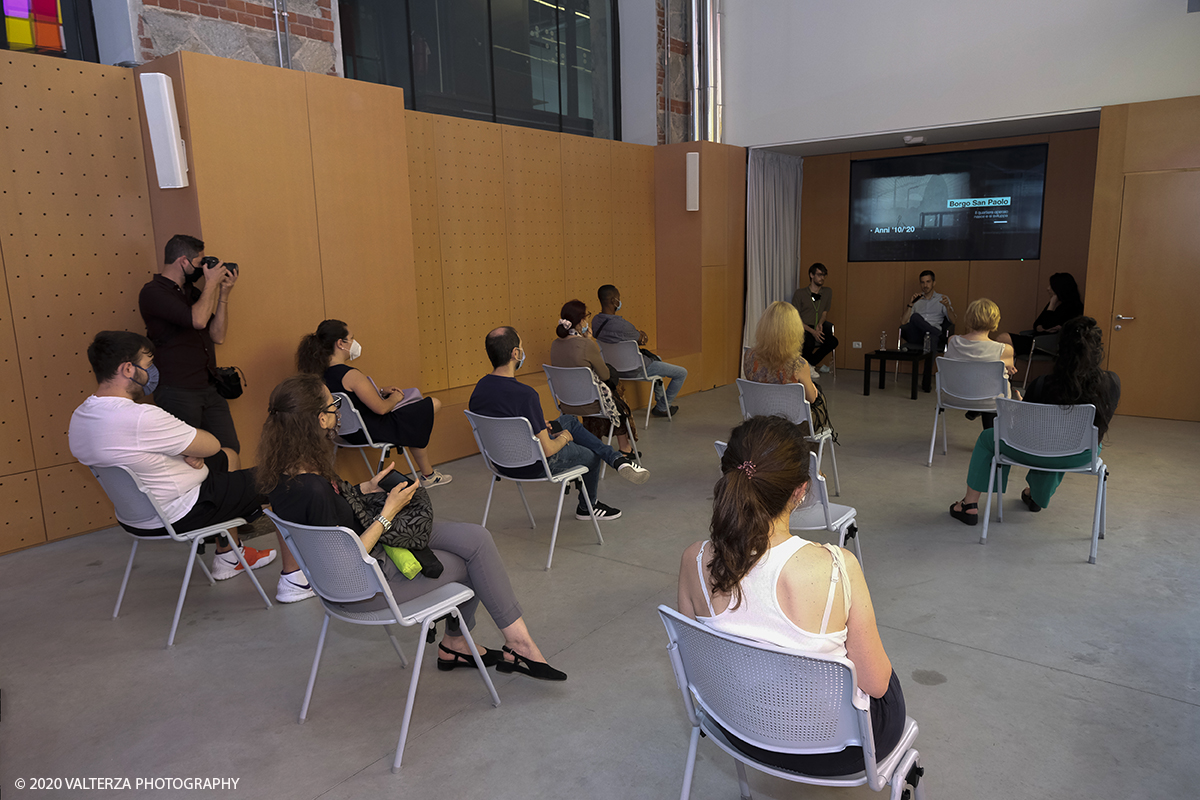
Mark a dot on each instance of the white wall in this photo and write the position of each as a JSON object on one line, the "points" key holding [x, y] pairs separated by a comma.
{"points": [[639, 71], [815, 69]]}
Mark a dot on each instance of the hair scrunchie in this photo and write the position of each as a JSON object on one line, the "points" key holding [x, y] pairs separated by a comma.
{"points": [[748, 468], [565, 323]]}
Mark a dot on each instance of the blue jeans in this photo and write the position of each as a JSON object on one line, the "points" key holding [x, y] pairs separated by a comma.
{"points": [[675, 376], [585, 450]]}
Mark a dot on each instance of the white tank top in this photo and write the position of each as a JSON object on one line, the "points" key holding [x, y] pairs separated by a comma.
{"points": [[759, 618]]}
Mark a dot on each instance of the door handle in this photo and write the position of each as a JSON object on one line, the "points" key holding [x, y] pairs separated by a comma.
{"points": [[1124, 319]]}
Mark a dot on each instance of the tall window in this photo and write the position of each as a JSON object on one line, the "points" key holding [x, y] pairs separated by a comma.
{"points": [[54, 27], [547, 64]]}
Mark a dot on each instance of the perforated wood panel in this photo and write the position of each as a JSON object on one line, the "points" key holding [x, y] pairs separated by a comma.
{"points": [[16, 448], [587, 214], [534, 212], [74, 227], [470, 187], [254, 184], [427, 250], [21, 521], [73, 501], [633, 235], [873, 303]]}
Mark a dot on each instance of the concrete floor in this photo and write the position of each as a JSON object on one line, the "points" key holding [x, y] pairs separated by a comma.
{"points": [[1031, 673]]}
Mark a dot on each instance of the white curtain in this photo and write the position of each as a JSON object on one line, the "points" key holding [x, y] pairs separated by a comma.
{"points": [[773, 184]]}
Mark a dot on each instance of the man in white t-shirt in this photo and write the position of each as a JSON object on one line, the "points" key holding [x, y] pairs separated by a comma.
{"points": [[193, 479]]}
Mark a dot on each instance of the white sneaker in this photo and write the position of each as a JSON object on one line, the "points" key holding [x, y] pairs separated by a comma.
{"points": [[812, 373], [293, 588], [825, 368], [436, 479], [226, 565], [632, 471]]}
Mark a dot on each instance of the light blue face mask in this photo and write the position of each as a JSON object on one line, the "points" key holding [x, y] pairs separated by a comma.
{"points": [[151, 378], [618, 305], [584, 329]]}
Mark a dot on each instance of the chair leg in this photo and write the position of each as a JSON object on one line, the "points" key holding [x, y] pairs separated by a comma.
{"points": [[562, 495], [987, 514], [411, 466], [487, 506], [837, 485], [383, 454], [312, 675], [591, 512], [743, 784], [937, 413], [412, 692], [187, 576], [125, 580], [362, 451], [1098, 515], [521, 489], [395, 645], [487, 678], [690, 766], [650, 404], [637, 454], [1104, 506], [612, 428], [246, 569], [204, 568], [846, 534]]}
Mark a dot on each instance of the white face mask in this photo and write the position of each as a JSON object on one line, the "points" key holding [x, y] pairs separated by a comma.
{"points": [[355, 349], [521, 359], [618, 305]]}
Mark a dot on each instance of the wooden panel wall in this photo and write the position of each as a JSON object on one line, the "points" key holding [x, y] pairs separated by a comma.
{"points": [[1016, 286], [427, 250], [677, 253], [587, 216], [633, 235]]}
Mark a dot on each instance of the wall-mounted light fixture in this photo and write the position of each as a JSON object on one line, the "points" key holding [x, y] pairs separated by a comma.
{"points": [[170, 160]]}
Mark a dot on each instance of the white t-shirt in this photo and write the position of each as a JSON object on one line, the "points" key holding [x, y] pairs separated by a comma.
{"points": [[115, 431]]}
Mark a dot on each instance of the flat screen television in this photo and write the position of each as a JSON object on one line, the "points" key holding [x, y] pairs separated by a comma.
{"points": [[968, 205]]}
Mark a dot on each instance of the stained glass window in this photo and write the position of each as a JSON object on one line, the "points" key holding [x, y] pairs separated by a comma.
{"points": [[35, 25]]}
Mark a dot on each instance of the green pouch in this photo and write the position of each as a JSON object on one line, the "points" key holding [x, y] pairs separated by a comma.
{"points": [[404, 560]]}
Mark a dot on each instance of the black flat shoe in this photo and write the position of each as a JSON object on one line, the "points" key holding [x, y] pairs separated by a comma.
{"points": [[961, 515], [490, 658], [1028, 501], [534, 669], [654, 412]]}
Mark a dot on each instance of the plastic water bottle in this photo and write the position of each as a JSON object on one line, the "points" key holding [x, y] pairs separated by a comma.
{"points": [[927, 345], [883, 340]]}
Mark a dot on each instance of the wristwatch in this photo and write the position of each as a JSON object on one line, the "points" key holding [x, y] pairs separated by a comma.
{"points": [[385, 522]]}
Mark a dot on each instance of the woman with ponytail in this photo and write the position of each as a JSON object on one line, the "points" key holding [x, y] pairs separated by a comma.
{"points": [[327, 353], [755, 580]]}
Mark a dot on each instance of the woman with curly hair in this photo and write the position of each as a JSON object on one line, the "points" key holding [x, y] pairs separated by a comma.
{"points": [[296, 471], [755, 580], [1077, 379]]}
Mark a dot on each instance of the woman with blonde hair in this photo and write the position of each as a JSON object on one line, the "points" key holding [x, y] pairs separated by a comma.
{"points": [[775, 357], [982, 320]]}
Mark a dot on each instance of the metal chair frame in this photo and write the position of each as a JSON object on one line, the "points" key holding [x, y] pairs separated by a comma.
{"points": [[352, 422], [509, 442], [967, 386], [787, 400], [132, 499], [620, 356], [570, 387]]}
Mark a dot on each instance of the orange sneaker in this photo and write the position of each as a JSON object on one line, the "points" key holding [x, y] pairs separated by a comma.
{"points": [[226, 565]]}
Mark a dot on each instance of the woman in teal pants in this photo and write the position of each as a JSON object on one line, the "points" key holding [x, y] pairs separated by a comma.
{"points": [[1077, 379]]}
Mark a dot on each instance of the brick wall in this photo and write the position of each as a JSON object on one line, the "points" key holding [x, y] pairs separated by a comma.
{"points": [[241, 30], [675, 86]]}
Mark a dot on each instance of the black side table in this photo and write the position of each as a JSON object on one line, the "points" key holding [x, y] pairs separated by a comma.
{"points": [[910, 356]]}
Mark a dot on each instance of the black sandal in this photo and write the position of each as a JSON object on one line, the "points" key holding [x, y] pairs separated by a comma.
{"points": [[961, 515], [1028, 500], [490, 658], [534, 669]]}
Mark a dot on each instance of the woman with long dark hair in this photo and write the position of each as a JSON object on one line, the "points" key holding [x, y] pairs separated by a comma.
{"points": [[755, 580], [295, 470], [1064, 304], [1077, 379], [575, 347], [328, 353]]}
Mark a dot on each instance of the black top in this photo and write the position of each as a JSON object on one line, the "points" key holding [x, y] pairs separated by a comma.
{"points": [[497, 396], [1065, 311], [409, 425], [183, 354], [311, 500]]}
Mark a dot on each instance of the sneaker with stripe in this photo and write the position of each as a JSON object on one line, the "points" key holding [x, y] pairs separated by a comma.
{"points": [[226, 565], [293, 587]]}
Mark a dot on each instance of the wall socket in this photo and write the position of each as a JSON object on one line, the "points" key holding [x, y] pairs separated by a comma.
{"points": [[856, 345]]}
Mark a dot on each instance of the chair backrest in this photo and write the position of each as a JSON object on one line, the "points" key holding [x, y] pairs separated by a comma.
{"points": [[768, 696], [818, 491], [571, 386], [973, 383], [130, 497], [779, 399], [351, 422], [506, 441], [624, 357], [335, 562], [1047, 431]]}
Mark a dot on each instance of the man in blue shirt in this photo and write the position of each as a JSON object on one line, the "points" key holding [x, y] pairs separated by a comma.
{"points": [[926, 313], [500, 394], [608, 327]]}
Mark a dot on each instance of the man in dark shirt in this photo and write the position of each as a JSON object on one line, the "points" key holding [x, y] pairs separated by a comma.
{"points": [[184, 323], [813, 302], [500, 394], [607, 326]]}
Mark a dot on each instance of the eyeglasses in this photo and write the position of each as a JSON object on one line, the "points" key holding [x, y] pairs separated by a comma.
{"points": [[332, 407]]}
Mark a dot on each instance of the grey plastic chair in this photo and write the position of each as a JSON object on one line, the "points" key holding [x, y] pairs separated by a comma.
{"points": [[352, 588], [508, 442], [780, 700], [967, 386], [1045, 350], [352, 422], [817, 513], [1049, 432], [626, 359], [133, 501], [787, 400], [573, 386]]}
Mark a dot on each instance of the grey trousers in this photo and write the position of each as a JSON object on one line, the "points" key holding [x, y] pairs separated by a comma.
{"points": [[469, 556]]}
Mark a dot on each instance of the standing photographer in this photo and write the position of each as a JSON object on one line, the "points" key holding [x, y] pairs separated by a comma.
{"points": [[184, 323]]}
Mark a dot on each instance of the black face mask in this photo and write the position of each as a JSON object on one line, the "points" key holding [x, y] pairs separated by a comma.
{"points": [[196, 274]]}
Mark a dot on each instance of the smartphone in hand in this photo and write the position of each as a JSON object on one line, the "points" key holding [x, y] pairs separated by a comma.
{"points": [[555, 427], [393, 479]]}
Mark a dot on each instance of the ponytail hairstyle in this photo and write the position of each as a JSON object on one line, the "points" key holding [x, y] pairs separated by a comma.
{"points": [[316, 348], [292, 438], [764, 464], [573, 311], [1078, 376]]}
